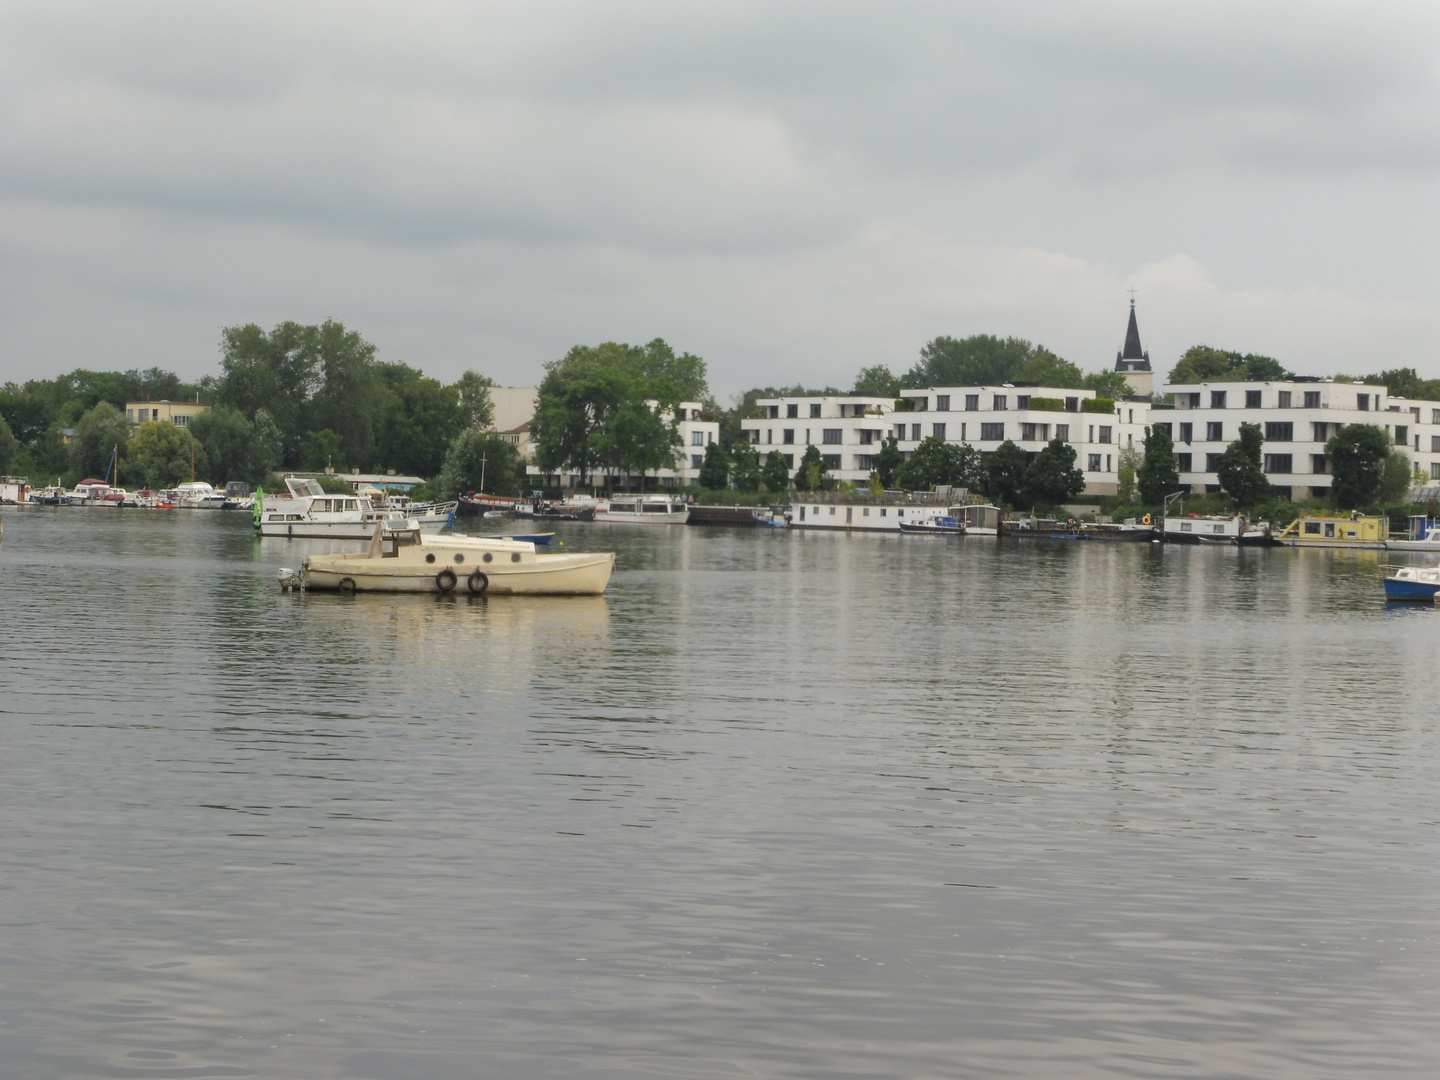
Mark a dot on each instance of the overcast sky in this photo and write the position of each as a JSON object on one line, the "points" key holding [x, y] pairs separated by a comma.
{"points": [[790, 190]]}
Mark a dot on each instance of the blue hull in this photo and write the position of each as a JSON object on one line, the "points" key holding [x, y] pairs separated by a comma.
{"points": [[1410, 590]]}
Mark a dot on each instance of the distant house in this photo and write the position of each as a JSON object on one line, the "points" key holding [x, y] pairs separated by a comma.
{"points": [[179, 413], [514, 407]]}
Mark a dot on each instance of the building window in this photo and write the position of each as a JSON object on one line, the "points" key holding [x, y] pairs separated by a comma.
{"points": [[1402, 434], [914, 432], [900, 432], [774, 412], [832, 461], [867, 436], [1093, 465], [865, 462], [180, 421], [1104, 436], [831, 435], [1027, 432], [1282, 399], [1107, 462], [994, 432], [937, 430], [942, 402], [972, 403], [792, 412], [1182, 462], [787, 436], [130, 415], [1362, 402], [1435, 470], [1212, 462], [1072, 404], [1276, 431], [1252, 399], [1022, 401], [1214, 431], [1000, 402], [1312, 399], [814, 411], [789, 460], [1317, 463], [1217, 399], [1186, 432], [697, 438], [1194, 400], [1435, 444], [696, 460], [962, 432], [1062, 432], [1435, 416], [1278, 463]]}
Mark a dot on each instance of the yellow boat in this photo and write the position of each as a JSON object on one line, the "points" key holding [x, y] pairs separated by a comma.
{"points": [[1336, 532], [409, 561]]}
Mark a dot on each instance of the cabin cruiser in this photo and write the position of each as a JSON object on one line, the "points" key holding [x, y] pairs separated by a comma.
{"points": [[196, 495], [644, 510], [1413, 583], [407, 560], [87, 493], [1424, 535], [310, 512]]}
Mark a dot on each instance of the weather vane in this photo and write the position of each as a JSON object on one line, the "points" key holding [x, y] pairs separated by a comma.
{"points": [[1132, 296]]}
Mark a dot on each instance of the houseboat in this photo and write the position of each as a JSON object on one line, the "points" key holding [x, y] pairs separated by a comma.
{"points": [[1354, 531], [14, 489], [973, 519], [643, 510], [1215, 529]]}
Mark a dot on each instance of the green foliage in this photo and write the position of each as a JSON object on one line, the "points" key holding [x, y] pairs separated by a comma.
{"points": [[1097, 405], [1044, 368], [333, 485], [878, 381], [476, 407], [1201, 363], [1107, 384], [979, 360], [1125, 475], [97, 434], [416, 419], [1007, 470], [1052, 477], [747, 465], [776, 473], [320, 450], [1160, 470], [1357, 455], [9, 447], [161, 455], [1046, 404], [1397, 478], [715, 469], [1240, 472], [812, 472], [935, 462], [888, 462], [235, 448], [481, 461], [1406, 383]]}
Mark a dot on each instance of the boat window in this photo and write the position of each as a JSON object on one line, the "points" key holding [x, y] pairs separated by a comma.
{"points": [[1330, 529], [276, 517], [515, 556], [459, 557], [430, 556], [656, 508], [1350, 534], [487, 557], [1312, 528], [1219, 528], [293, 517], [1185, 526]]}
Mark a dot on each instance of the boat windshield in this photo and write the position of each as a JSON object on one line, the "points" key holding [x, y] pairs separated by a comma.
{"points": [[303, 487]]}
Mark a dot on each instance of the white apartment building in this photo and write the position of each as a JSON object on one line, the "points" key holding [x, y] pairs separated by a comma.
{"points": [[848, 430], [695, 435], [1297, 418]]}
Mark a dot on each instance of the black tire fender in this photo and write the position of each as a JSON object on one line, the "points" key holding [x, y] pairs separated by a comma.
{"points": [[446, 580], [347, 586], [478, 583]]}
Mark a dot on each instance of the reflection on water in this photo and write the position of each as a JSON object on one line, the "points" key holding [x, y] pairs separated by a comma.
{"points": [[779, 804]]}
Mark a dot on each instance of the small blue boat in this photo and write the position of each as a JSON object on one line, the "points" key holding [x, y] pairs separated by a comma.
{"points": [[1413, 583]]}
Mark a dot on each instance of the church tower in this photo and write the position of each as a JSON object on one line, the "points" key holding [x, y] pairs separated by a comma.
{"points": [[1133, 362]]}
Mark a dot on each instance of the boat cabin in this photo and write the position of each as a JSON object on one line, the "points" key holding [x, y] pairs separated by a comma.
{"points": [[1338, 532]]}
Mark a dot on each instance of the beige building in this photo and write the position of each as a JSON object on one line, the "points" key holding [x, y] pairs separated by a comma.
{"points": [[179, 413], [514, 407]]}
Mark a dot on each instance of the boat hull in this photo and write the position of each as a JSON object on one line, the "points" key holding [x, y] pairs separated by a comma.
{"points": [[580, 574], [1401, 589]]}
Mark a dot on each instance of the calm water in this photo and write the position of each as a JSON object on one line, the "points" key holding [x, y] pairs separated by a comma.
{"points": [[780, 805]]}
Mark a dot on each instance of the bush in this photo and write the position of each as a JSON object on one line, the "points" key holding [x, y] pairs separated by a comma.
{"points": [[1096, 405], [1047, 404]]}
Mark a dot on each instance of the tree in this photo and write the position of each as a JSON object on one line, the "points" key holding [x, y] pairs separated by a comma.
{"points": [[639, 438], [1240, 472], [1052, 477], [275, 371], [747, 465], [236, 449], [935, 462], [980, 360], [417, 420], [810, 474], [1160, 470], [776, 473], [1129, 463], [888, 462], [1107, 384], [8, 446], [476, 406], [715, 469], [1047, 369], [1356, 455], [1008, 469], [99, 433], [320, 450], [161, 455], [1201, 363], [877, 381], [1397, 479], [481, 461]]}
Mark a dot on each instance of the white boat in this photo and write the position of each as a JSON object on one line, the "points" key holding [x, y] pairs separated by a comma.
{"points": [[972, 519], [87, 493], [409, 561], [1424, 535], [310, 513], [644, 510], [196, 495], [1214, 529]]}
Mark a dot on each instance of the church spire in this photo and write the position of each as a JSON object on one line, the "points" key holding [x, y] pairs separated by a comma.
{"points": [[1132, 338]]}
